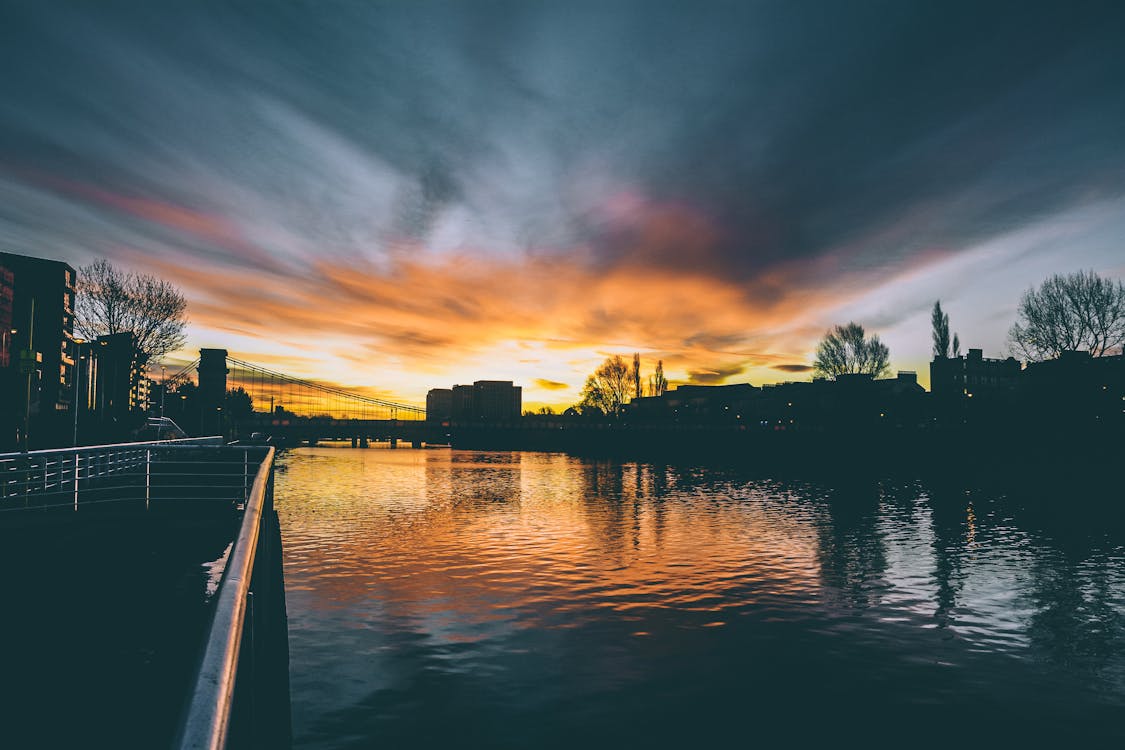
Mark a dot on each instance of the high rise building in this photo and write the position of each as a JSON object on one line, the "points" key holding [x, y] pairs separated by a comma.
{"points": [[485, 401], [42, 347]]}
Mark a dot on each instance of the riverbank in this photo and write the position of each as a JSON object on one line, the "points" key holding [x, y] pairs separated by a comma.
{"points": [[1059, 454]]}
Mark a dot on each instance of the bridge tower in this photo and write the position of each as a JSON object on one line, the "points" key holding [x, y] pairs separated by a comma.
{"points": [[212, 390]]}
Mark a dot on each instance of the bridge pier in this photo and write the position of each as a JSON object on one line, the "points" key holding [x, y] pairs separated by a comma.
{"points": [[415, 443], [212, 390], [394, 442], [355, 441], [363, 441]]}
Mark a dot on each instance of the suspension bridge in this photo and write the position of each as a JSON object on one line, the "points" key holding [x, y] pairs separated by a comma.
{"points": [[220, 394]]}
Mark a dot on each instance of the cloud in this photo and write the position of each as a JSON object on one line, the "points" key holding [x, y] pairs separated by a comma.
{"points": [[419, 186], [714, 376], [550, 385], [792, 368]]}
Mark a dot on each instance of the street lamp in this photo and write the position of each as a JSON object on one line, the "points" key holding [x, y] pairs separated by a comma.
{"points": [[77, 378], [163, 388], [6, 345], [27, 362]]}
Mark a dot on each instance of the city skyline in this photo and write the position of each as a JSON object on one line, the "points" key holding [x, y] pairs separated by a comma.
{"points": [[409, 196]]}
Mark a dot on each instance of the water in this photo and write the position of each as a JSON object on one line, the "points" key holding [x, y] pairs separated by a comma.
{"points": [[522, 600]]}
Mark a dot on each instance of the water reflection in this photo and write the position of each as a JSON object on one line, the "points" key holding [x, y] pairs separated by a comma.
{"points": [[511, 600]]}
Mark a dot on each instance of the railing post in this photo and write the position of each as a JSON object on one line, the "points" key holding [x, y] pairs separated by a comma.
{"points": [[148, 476], [245, 475], [76, 481]]}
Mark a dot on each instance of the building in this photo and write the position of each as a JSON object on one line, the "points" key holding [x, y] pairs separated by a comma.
{"points": [[118, 374], [696, 403], [461, 406], [41, 349], [112, 389], [973, 374], [849, 402], [1077, 388], [496, 400], [485, 401], [439, 405]]}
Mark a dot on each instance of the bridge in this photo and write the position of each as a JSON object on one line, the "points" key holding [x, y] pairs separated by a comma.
{"points": [[288, 409]]}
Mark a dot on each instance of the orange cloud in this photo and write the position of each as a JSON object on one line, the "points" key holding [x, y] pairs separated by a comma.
{"points": [[550, 385], [410, 321], [420, 317]]}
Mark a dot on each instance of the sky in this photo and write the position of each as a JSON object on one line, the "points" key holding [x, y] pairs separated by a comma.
{"points": [[395, 196]]}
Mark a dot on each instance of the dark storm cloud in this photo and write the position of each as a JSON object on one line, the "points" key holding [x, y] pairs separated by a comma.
{"points": [[792, 368], [777, 146]]}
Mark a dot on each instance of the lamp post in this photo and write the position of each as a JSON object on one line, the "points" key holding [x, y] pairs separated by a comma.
{"points": [[77, 380], [27, 362], [163, 388]]}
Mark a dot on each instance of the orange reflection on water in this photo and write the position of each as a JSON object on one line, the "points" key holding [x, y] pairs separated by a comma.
{"points": [[461, 545]]}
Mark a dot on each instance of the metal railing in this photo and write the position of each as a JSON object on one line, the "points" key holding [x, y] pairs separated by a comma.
{"points": [[236, 632], [70, 478], [244, 655]]}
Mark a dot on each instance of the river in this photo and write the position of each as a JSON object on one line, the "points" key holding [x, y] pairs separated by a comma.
{"points": [[444, 599]]}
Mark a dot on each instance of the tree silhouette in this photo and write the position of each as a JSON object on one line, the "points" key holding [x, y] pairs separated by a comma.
{"points": [[637, 375], [1077, 311], [939, 322], [113, 301], [657, 383], [846, 349], [238, 405], [608, 388]]}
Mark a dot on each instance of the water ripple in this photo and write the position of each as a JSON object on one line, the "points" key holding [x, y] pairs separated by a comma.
{"points": [[534, 586]]}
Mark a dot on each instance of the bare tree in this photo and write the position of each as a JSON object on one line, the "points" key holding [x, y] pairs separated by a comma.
{"points": [[1077, 311], [846, 349], [608, 388], [114, 301]]}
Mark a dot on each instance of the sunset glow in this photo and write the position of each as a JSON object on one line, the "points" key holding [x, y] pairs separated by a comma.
{"points": [[535, 196]]}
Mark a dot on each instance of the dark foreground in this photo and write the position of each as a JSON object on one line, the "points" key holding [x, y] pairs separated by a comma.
{"points": [[105, 614], [507, 600]]}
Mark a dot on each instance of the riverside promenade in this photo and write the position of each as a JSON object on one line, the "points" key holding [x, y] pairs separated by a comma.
{"points": [[145, 599]]}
